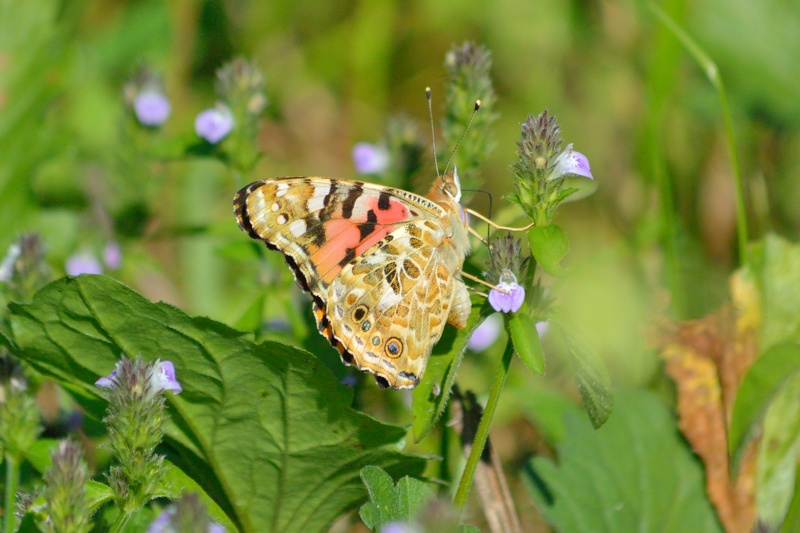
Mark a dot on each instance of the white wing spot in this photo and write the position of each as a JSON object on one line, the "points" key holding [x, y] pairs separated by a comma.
{"points": [[315, 203], [282, 188], [298, 227], [276, 206], [282, 219]]}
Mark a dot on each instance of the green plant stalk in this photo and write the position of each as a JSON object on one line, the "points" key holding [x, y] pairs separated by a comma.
{"points": [[482, 435], [119, 523], [12, 481], [712, 73]]}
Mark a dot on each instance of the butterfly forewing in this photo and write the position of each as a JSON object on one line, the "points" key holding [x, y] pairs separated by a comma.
{"points": [[381, 264]]}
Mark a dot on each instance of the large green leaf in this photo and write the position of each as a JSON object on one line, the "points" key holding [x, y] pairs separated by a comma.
{"points": [[633, 474], [441, 371], [776, 265], [763, 381], [266, 430], [777, 454]]}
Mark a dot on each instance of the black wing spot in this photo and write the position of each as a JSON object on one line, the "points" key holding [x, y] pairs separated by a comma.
{"points": [[383, 202]]}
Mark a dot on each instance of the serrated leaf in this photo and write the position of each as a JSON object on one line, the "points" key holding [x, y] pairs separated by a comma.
{"points": [[591, 377], [265, 429], [525, 337], [762, 382], [97, 494], [389, 502], [441, 371], [634, 474], [549, 245]]}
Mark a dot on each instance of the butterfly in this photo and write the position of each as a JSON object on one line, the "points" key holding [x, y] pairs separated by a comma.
{"points": [[383, 265]]}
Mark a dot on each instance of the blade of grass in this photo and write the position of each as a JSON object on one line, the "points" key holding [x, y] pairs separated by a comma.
{"points": [[711, 71]]}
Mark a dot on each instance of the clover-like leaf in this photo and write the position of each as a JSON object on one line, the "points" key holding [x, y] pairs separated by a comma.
{"points": [[390, 502], [265, 429]]}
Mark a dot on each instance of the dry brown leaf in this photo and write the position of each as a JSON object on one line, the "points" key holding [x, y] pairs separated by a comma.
{"points": [[707, 360]]}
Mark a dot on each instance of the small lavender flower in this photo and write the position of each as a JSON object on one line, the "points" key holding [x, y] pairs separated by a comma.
{"points": [[160, 377], [152, 108], [369, 158], [542, 327], [112, 255], [399, 527], [7, 266], [164, 377], [509, 295], [24, 269], [83, 263], [486, 334], [214, 124], [571, 163], [187, 514], [135, 421]]}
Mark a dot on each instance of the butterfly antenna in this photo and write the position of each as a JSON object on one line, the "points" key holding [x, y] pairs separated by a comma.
{"points": [[433, 133], [471, 118]]}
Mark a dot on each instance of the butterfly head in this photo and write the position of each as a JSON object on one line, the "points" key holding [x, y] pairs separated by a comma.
{"points": [[446, 188]]}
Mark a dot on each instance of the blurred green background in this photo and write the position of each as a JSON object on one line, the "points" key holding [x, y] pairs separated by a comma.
{"points": [[625, 93]]}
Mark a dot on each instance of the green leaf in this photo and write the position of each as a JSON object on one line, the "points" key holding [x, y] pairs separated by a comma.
{"points": [[525, 337], [38, 454], [176, 482], [549, 245], [97, 494], [442, 369], [777, 455], [763, 381], [390, 502], [776, 264], [253, 316], [591, 377], [265, 429], [634, 474]]}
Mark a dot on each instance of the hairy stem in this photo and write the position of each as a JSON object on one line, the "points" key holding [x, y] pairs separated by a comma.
{"points": [[483, 428]]}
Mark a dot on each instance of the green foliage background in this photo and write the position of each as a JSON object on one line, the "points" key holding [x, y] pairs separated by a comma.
{"points": [[625, 93]]}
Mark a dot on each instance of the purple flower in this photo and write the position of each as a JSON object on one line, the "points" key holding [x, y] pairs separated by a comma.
{"points": [[112, 255], [508, 296], [152, 108], [399, 527], [163, 377], [542, 327], [214, 124], [572, 163], [7, 266], [83, 263], [369, 158], [107, 382], [485, 334]]}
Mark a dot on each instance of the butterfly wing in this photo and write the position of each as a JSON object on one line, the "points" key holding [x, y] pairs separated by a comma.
{"points": [[389, 306], [337, 236]]}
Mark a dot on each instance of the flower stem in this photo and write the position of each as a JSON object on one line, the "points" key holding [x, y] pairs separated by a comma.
{"points": [[482, 435], [119, 523], [12, 480]]}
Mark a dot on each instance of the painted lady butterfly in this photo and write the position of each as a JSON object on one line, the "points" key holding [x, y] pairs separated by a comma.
{"points": [[383, 265]]}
